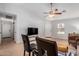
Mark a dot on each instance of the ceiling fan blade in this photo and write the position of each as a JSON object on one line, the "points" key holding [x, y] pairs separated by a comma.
{"points": [[57, 13], [45, 12]]}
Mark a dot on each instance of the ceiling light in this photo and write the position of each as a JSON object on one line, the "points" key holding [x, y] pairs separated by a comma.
{"points": [[54, 12]]}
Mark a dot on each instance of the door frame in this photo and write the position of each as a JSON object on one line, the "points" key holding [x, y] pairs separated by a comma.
{"points": [[14, 22]]}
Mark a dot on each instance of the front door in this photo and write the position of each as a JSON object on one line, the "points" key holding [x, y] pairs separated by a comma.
{"points": [[7, 29]]}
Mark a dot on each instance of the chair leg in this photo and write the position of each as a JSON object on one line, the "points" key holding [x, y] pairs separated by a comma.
{"points": [[32, 53], [65, 54], [24, 52], [29, 53]]}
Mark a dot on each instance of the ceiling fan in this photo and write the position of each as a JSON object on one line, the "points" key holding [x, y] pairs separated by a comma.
{"points": [[54, 12]]}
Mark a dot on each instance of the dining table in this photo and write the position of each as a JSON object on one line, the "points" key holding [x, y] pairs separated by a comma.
{"points": [[62, 44]]}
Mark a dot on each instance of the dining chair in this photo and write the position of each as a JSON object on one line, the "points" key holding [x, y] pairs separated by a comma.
{"points": [[27, 46], [46, 47]]}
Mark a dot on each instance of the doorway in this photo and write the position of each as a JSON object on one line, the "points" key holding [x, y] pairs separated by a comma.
{"points": [[7, 28]]}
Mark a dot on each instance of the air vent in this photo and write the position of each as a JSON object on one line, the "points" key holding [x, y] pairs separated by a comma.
{"points": [[8, 16]]}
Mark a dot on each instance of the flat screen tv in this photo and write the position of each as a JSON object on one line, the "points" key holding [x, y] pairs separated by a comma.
{"points": [[32, 31]]}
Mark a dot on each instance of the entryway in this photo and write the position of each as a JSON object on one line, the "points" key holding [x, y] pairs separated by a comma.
{"points": [[7, 28]]}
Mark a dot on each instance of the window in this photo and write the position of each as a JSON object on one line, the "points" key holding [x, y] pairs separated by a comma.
{"points": [[60, 28]]}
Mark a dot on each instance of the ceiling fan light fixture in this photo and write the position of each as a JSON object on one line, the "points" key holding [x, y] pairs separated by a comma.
{"points": [[51, 15], [54, 12]]}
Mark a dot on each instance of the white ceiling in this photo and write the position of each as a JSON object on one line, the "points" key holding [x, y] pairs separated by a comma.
{"points": [[38, 9]]}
